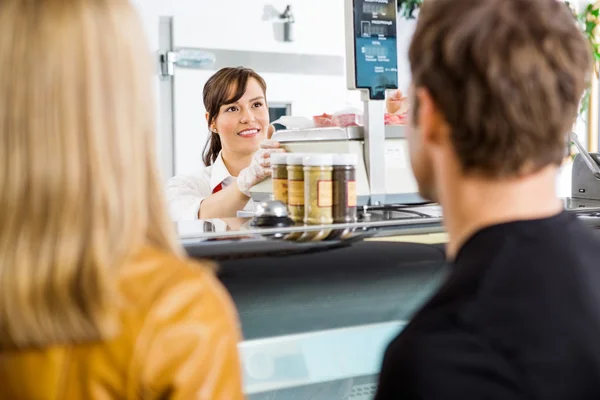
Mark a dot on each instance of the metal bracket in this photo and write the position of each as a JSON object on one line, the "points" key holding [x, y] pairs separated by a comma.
{"points": [[167, 66], [184, 58]]}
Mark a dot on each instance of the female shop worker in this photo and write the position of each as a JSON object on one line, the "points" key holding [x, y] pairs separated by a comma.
{"points": [[97, 298], [236, 155]]}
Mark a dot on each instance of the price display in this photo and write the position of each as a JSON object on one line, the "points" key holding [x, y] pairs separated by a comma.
{"points": [[375, 51]]}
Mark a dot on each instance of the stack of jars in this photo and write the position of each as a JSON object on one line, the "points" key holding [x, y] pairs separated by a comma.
{"points": [[318, 188]]}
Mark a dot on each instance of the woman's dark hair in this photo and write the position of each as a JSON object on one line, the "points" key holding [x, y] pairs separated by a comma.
{"points": [[217, 93]]}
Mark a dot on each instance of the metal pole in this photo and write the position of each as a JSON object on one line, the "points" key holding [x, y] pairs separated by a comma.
{"points": [[374, 124], [166, 93]]}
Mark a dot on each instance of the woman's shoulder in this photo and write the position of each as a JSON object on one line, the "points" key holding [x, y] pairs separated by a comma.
{"points": [[199, 177], [181, 319], [155, 277]]}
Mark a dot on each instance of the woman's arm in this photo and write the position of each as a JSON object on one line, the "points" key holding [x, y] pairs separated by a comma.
{"points": [[228, 201], [185, 194], [224, 203]]}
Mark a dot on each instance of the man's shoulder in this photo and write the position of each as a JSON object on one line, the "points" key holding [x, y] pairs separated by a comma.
{"points": [[517, 300], [437, 357], [534, 277], [538, 293], [545, 260], [528, 258]]}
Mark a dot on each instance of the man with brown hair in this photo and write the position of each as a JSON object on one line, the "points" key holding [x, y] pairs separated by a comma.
{"points": [[496, 88]]}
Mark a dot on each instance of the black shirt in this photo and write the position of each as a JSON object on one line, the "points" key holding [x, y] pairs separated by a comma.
{"points": [[518, 318]]}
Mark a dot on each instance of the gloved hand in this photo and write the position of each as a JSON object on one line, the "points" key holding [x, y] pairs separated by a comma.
{"points": [[259, 168], [396, 103]]}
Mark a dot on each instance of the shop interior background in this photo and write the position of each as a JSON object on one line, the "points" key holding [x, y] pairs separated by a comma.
{"points": [[251, 29]]}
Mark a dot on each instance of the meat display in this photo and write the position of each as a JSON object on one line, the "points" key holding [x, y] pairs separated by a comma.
{"points": [[396, 106], [395, 119], [345, 119], [323, 121], [353, 119]]}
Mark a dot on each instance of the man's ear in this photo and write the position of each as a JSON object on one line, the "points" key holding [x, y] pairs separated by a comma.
{"points": [[429, 118]]}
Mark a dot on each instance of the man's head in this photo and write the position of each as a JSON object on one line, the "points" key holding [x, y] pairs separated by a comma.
{"points": [[496, 87]]}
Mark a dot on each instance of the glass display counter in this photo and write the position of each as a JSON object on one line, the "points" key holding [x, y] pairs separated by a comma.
{"points": [[317, 315]]}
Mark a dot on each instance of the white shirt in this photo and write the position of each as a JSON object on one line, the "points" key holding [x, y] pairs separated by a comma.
{"points": [[185, 193]]}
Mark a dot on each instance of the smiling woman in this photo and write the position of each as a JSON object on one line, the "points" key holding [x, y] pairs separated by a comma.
{"points": [[237, 153], [235, 108]]}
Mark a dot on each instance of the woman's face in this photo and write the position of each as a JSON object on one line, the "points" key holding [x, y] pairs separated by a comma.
{"points": [[243, 125]]}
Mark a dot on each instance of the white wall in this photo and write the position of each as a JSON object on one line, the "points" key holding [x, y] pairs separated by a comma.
{"points": [[239, 25]]}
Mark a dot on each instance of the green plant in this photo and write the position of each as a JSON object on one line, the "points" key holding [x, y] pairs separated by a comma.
{"points": [[407, 8], [587, 20]]}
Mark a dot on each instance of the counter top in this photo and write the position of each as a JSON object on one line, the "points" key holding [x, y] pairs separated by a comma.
{"points": [[308, 308], [236, 237]]}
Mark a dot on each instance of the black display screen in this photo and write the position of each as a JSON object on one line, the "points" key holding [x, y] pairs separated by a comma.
{"points": [[375, 48]]}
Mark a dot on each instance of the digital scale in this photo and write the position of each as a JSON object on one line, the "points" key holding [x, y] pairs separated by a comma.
{"points": [[372, 46], [384, 175]]}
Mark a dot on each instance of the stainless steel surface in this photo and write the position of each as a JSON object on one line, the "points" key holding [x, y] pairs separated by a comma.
{"points": [[319, 134], [399, 221], [257, 197], [594, 168], [265, 62], [285, 63], [581, 205], [334, 134], [375, 144], [584, 183], [312, 228], [271, 208], [395, 131]]}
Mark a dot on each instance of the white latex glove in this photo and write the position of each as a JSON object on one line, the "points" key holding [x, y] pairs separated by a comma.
{"points": [[396, 103], [260, 167]]}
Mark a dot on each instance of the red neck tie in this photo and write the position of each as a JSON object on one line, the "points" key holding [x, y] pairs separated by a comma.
{"points": [[218, 188]]}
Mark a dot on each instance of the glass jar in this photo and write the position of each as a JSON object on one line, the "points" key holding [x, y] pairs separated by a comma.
{"points": [[279, 176], [344, 188], [318, 189], [295, 176]]}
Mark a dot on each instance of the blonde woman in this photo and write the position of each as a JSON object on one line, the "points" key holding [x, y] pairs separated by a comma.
{"points": [[97, 300]]}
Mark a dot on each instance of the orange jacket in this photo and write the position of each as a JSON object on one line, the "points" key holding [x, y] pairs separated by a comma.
{"points": [[178, 340]]}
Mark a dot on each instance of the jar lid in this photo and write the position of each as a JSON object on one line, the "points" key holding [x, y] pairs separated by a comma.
{"points": [[318, 160], [279, 158], [345, 159], [295, 158]]}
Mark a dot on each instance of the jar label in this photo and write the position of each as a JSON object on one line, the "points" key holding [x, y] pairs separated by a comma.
{"points": [[280, 189], [324, 193], [295, 193], [352, 199]]}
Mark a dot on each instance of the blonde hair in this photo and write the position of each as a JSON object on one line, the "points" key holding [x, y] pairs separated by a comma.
{"points": [[80, 193]]}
